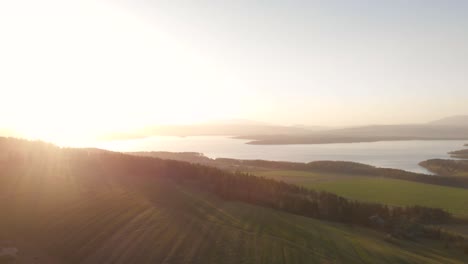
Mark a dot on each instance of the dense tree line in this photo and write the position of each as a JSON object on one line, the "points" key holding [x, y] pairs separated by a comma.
{"points": [[340, 167], [346, 167], [447, 167], [299, 200], [95, 165], [461, 154], [403, 222]]}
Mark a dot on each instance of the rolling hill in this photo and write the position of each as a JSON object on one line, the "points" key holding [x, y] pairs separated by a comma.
{"points": [[449, 128], [365, 134], [92, 206], [378, 189], [459, 120], [219, 128]]}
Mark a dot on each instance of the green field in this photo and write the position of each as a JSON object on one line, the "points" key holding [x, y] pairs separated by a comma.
{"points": [[380, 190], [92, 208], [166, 223], [301, 177]]}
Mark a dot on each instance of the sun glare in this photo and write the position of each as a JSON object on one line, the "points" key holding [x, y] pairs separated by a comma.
{"points": [[108, 72]]}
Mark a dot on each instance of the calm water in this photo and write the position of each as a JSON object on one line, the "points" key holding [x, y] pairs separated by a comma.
{"points": [[391, 154]]}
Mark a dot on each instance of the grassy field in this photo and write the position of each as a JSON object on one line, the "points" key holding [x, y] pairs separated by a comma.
{"points": [[170, 224], [380, 190], [55, 212], [302, 177]]}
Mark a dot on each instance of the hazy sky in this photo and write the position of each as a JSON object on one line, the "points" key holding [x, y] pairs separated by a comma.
{"points": [[103, 65]]}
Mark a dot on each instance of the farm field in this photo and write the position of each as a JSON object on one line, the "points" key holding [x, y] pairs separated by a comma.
{"points": [[380, 190], [176, 225], [303, 177], [58, 212]]}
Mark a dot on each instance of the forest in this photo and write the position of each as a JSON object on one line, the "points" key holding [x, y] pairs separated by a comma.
{"points": [[405, 222]]}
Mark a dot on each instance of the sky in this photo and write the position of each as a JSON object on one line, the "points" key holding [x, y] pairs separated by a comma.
{"points": [[73, 68]]}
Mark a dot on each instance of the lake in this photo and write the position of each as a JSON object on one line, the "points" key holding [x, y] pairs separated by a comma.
{"points": [[391, 154]]}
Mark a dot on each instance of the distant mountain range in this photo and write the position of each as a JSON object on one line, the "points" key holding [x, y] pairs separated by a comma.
{"points": [[450, 128], [234, 127], [460, 120], [455, 127]]}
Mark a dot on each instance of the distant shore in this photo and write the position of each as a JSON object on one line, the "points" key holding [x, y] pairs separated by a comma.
{"points": [[319, 139]]}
